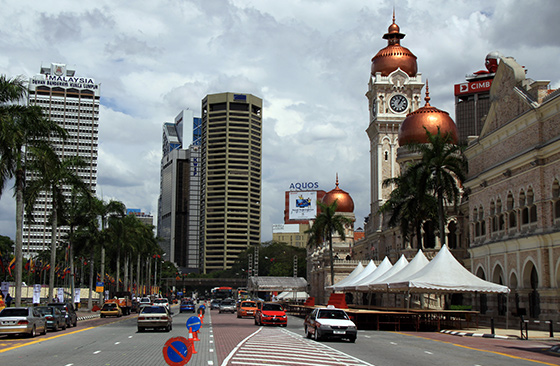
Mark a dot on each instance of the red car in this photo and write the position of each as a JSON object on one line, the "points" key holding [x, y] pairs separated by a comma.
{"points": [[270, 313]]}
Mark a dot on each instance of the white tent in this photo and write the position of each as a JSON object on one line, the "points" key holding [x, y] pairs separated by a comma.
{"points": [[444, 274], [367, 271], [290, 295], [381, 269], [359, 268], [416, 264], [400, 265]]}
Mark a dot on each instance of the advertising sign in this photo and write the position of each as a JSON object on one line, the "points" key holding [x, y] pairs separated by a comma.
{"points": [[303, 205], [36, 293], [99, 287], [473, 87]]}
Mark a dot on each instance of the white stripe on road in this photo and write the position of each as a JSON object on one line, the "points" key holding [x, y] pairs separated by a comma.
{"points": [[96, 352]]}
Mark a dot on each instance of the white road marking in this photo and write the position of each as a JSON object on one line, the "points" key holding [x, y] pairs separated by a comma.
{"points": [[117, 342], [211, 350], [130, 336], [393, 343], [96, 352], [210, 362], [428, 352]]}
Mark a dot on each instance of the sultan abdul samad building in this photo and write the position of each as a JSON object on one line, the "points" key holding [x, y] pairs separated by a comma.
{"points": [[507, 227]]}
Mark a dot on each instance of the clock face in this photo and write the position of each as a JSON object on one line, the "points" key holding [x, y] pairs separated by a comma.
{"points": [[398, 103]]}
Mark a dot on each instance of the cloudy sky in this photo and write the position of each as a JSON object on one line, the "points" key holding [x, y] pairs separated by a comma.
{"points": [[309, 60]]}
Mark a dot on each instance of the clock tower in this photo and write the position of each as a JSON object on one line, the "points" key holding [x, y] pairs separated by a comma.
{"points": [[394, 90]]}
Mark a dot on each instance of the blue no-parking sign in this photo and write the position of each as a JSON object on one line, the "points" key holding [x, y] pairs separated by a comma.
{"points": [[177, 351], [194, 323]]}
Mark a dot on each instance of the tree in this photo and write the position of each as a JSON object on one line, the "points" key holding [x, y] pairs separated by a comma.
{"points": [[440, 171], [409, 205], [51, 175], [326, 224], [21, 128]]}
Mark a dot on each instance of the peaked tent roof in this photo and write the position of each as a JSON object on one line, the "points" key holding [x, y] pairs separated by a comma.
{"points": [[417, 263], [401, 264], [359, 268], [381, 269], [370, 268], [445, 274]]}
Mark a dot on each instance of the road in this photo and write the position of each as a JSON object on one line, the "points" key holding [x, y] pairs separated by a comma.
{"points": [[226, 340]]}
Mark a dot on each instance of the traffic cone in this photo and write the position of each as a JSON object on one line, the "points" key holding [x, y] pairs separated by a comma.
{"points": [[191, 341], [195, 338]]}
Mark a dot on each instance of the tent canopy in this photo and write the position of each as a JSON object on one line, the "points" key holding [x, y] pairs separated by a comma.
{"points": [[444, 274], [349, 285], [416, 264], [400, 265], [359, 268], [278, 284], [364, 283]]}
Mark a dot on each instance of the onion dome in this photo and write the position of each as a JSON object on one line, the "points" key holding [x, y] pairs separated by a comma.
{"points": [[394, 56], [412, 129], [344, 203]]}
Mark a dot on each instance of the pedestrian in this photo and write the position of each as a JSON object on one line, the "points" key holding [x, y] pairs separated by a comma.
{"points": [[8, 300]]}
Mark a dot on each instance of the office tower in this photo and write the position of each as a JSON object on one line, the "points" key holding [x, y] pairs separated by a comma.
{"points": [[179, 200], [231, 177], [472, 99], [72, 102]]}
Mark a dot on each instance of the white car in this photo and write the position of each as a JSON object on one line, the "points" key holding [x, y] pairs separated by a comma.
{"points": [[162, 302], [330, 322], [156, 317]]}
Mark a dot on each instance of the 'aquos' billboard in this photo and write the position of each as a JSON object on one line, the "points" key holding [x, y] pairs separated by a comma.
{"points": [[303, 205]]}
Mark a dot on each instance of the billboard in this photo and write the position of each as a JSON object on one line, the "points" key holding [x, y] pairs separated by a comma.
{"points": [[303, 205], [473, 87]]}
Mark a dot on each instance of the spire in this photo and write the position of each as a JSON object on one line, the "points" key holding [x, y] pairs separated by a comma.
{"points": [[427, 98], [337, 180]]}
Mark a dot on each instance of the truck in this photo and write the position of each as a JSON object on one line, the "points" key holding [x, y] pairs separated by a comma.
{"points": [[124, 300]]}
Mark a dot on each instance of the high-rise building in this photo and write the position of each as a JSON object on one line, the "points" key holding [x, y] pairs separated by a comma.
{"points": [[231, 177], [73, 103], [472, 99], [179, 200]]}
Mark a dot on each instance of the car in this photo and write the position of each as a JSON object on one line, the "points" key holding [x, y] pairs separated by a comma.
{"points": [[186, 306], [246, 308], [54, 317], [227, 305], [144, 301], [111, 309], [270, 313], [161, 302], [155, 317], [330, 322], [69, 312], [215, 304], [22, 320]]}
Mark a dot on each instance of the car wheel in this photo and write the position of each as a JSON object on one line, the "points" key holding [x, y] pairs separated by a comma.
{"points": [[307, 334], [170, 326], [352, 339], [140, 330], [316, 336], [55, 328], [44, 330], [33, 332], [65, 326], [102, 316], [75, 324]]}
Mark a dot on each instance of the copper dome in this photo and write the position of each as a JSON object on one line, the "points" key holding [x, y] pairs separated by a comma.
{"points": [[394, 56], [412, 129], [344, 203]]}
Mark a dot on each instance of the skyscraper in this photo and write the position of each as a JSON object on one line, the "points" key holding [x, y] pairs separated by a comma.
{"points": [[179, 201], [231, 177], [72, 102]]}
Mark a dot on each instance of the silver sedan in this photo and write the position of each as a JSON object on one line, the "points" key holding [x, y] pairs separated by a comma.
{"points": [[22, 320]]}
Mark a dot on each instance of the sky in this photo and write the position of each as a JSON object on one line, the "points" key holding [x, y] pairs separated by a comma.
{"points": [[309, 60]]}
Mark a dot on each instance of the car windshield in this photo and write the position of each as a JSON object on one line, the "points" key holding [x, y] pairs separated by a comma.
{"points": [[13, 312], [273, 307], [227, 302], [153, 310], [248, 304], [160, 301], [145, 299], [45, 310], [109, 306], [332, 314]]}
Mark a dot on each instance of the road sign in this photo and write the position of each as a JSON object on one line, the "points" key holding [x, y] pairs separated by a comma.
{"points": [[194, 323], [177, 351]]}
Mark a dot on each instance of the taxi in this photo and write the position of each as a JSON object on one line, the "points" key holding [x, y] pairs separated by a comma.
{"points": [[111, 309], [246, 308]]}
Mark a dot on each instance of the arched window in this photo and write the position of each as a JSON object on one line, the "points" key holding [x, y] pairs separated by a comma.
{"points": [[531, 205], [524, 208], [512, 224]]}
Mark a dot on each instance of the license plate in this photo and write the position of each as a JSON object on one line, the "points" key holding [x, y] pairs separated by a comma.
{"points": [[249, 312], [339, 332]]}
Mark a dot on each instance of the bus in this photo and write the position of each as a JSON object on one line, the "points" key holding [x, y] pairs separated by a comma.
{"points": [[220, 293]]}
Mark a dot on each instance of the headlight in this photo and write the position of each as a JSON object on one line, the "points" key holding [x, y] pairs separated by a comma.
{"points": [[352, 327]]}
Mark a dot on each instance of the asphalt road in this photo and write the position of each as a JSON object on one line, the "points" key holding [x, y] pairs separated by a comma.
{"points": [[226, 340]]}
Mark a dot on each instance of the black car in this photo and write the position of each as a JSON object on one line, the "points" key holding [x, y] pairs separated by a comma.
{"points": [[69, 313]]}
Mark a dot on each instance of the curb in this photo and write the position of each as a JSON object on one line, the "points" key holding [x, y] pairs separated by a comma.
{"points": [[482, 335], [555, 349], [86, 317]]}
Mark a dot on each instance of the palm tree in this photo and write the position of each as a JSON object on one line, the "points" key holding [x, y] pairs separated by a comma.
{"points": [[326, 224], [409, 205], [441, 169], [52, 175], [21, 127]]}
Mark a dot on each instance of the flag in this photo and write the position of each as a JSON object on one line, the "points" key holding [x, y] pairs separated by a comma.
{"points": [[12, 265]]}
